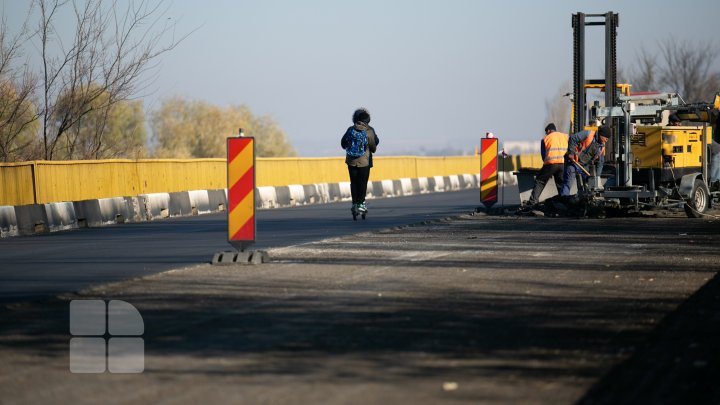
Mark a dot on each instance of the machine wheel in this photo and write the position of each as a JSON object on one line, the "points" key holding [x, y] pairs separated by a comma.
{"points": [[699, 200]]}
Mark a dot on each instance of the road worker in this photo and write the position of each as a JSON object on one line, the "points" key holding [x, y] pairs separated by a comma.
{"points": [[586, 149], [552, 149]]}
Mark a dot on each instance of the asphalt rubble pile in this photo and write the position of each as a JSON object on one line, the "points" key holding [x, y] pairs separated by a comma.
{"points": [[574, 207]]}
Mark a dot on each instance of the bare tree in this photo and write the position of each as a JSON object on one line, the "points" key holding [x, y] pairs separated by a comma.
{"points": [[112, 56], [683, 67], [557, 108], [18, 114], [644, 75]]}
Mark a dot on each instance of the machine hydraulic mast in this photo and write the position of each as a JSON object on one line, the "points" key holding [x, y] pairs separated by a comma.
{"points": [[611, 21]]}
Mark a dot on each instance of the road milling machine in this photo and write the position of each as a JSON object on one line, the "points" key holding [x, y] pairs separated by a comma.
{"points": [[649, 164]]}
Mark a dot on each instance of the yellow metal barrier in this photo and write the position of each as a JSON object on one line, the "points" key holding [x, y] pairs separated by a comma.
{"points": [[52, 181], [284, 171], [17, 184]]}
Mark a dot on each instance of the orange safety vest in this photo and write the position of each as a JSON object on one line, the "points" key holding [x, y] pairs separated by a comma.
{"points": [[586, 142], [556, 144]]}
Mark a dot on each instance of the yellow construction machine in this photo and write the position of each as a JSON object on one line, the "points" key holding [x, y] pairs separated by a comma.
{"points": [[649, 163]]}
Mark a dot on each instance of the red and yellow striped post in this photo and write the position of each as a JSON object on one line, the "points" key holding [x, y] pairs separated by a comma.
{"points": [[241, 192], [488, 171]]}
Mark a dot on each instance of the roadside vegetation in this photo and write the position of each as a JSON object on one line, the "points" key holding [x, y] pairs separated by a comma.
{"points": [[74, 96]]}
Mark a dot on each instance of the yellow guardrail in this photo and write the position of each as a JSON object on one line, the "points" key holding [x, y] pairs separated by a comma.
{"points": [[40, 182]]}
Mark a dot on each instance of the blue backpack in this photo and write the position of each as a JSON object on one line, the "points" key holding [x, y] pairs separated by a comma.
{"points": [[357, 143]]}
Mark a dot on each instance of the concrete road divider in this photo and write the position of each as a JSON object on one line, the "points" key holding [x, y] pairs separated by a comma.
{"points": [[180, 205], [60, 216], [8, 221], [200, 202], [217, 200], [156, 205], [266, 197], [31, 219], [107, 211], [42, 218]]}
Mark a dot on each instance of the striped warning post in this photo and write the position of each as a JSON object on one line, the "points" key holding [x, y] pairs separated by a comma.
{"points": [[241, 191], [488, 171]]}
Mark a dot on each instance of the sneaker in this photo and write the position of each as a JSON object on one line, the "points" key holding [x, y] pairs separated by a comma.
{"points": [[362, 207], [354, 207]]}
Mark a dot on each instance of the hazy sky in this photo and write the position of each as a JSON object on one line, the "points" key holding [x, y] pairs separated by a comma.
{"points": [[434, 74]]}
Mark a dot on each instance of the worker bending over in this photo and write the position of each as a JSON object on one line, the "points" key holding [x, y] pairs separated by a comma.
{"points": [[552, 149], [586, 149]]}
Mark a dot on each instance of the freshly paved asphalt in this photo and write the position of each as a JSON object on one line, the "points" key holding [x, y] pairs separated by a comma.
{"points": [[37, 266]]}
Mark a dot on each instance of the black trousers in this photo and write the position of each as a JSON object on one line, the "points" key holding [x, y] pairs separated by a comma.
{"points": [[358, 183], [555, 171]]}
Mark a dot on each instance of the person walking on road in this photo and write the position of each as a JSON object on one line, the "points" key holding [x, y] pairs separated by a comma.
{"points": [[360, 142], [587, 150], [552, 149]]}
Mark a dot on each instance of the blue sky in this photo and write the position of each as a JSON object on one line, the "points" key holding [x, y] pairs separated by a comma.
{"points": [[434, 74]]}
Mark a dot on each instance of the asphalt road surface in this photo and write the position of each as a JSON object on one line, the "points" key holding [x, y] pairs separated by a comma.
{"points": [[473, 309], [37, 266]]}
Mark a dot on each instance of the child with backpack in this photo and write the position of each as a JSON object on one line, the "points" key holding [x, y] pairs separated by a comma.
{"points": [[360, 142]]}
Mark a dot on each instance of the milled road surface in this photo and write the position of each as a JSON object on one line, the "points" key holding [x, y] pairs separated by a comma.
{"points": [[474, 309]]}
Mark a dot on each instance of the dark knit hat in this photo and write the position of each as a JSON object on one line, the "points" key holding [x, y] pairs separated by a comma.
{"points": [[361, 115], [550, 127], [605, 131]]}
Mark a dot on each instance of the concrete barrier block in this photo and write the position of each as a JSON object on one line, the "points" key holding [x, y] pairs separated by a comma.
{"points": [[424, 184], [106, 211], [134, 210], [430, 184], [266, 197], [297, 194], [60, 216], [397, 188], [465, 181], [180, 204], [406, 186], [8, 222], [334, 192], [282, 193], [217, 199], [31, 219], [199, 202], [312, 195], [439, 183], [345, 191], [323, 190], [375, 190], [88, 213], [471, 180], [415, 186], [113, 210], [156, 205], [453, 182], [388, 188]]}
